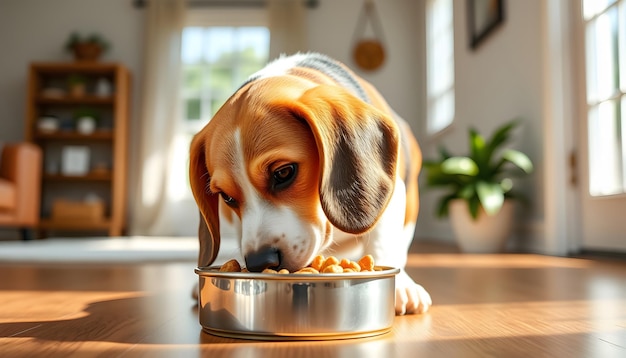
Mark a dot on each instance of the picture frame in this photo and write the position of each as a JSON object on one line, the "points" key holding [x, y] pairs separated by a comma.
{"points": [[483, 17], [75, 160]]}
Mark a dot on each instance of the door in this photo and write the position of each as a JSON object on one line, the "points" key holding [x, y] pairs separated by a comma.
{"points": [[602, 132]]}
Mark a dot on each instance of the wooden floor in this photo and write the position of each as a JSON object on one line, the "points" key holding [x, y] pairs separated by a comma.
{"points": [[484, 306]]}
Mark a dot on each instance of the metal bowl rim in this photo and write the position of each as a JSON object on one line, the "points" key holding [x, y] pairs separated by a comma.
{"points": [[381, 272]]}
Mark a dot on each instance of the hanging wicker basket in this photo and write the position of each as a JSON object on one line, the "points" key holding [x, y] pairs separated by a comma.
{"points": [[369, 54]]}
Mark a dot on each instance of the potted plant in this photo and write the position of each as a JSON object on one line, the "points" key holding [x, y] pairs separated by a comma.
{"points": [[479, 189], [86, 48], [77, 85]]}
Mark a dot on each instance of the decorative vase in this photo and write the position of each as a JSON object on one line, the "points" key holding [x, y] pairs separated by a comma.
{"points": [[48, 124], [86, 125], [103, 87], [485, 234]]}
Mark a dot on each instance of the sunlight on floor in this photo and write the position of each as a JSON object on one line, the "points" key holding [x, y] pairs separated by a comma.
{"points": [[496, 261], [606, 318]]}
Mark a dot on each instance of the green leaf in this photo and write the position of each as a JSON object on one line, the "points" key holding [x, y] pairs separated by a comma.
{"points": [[519, 159], [474, 204], [477, 146], [501, 136], [467, 191], [498, 138], [491, 196], [506, 184], [459, 165], [444, 205], [436, 177]]}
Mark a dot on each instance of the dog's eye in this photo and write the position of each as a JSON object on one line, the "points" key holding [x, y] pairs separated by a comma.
{"points": [[284, 176], [229, 200]]}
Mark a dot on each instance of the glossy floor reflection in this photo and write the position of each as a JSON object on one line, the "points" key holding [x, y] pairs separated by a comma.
{"points": [[484, 305]]}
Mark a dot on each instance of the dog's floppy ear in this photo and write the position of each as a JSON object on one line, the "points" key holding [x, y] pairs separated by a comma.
{"points": [[358, 147], [209, 227]]}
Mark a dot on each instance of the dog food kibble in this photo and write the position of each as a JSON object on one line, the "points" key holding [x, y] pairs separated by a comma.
{"points": [[367, 263], [308, 270], [332, 269], [317, 262], [320, 264], [350, 265], [231, 266], [269, 270], [330, 261]]}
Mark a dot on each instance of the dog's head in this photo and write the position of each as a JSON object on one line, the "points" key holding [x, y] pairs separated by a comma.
{"points": [[291, 160]]}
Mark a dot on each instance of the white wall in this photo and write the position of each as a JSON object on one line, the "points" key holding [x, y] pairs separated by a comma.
{"points": [[35, 30], [502, 80], [499, 81], [400, 79]]}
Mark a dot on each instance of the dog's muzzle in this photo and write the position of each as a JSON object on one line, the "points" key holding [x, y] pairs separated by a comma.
{"points": [[266, 257]]}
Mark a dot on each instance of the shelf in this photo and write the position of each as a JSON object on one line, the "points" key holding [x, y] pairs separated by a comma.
{"points": [[68, 100], [78, 178], [73, 135], [49, 94], [78, 224], [95, 68]]}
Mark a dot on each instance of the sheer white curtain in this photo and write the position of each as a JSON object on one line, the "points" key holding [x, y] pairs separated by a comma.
{"points": [[153, 195], [288, 27], [160, 200]]}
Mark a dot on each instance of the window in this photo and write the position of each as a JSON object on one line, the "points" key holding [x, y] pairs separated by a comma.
{"points": [[605, 37], [220, 48], [217, 57], [440, 64]]}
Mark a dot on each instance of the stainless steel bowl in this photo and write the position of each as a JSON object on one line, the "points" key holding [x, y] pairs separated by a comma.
{"points": [[296, 306]]}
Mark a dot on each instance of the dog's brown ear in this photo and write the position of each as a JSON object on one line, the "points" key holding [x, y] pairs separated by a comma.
{"points": [[209, 227], [358, 147]]}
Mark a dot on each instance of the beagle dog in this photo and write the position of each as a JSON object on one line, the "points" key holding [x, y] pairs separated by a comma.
{"points": [[306, 158]]}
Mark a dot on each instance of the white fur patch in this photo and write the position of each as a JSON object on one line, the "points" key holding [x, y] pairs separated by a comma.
{"points": [[280, 66], [264, 223]]}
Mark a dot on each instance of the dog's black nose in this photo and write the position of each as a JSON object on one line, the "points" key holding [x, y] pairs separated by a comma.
{"points": [[266, 257]]}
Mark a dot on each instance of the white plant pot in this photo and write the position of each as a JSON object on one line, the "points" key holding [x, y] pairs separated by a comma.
{"points": [[486, 234], [86, 125]]}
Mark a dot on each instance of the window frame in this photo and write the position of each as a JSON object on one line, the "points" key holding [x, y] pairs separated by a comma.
{"points": [[437, 97], [598, 99], [218, 17]]}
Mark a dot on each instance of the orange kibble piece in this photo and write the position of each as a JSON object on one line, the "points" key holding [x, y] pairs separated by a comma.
{"points": [[331, 260], [332, 269], [317, 262], [231, 266], [307, 270], [367, 263], [347, 264], [319, 265]]}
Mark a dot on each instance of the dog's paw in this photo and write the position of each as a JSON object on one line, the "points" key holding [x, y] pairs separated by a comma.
{"points": [[411, 298]]}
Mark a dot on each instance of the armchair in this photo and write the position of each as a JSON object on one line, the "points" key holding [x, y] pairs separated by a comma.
{"points": [[20, 187]]}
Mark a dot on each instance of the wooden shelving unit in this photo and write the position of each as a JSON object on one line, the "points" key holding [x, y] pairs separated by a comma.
{"points": [[107, 145], [71, 135]]}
